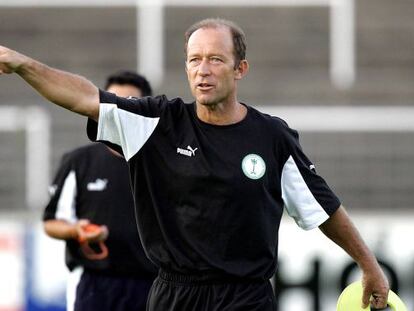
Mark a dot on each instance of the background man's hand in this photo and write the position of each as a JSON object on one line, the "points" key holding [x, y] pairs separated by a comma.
{"points": [[85, 234]]}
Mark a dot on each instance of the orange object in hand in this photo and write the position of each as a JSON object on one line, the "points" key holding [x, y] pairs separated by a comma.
{"points": [[87, 250], [91, 228]]}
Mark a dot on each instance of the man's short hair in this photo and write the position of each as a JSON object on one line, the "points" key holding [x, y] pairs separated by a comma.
{"points": [[239, 38], [131, 78]]}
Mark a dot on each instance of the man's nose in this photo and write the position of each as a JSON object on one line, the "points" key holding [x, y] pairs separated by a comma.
{"points": [[204, 68]]}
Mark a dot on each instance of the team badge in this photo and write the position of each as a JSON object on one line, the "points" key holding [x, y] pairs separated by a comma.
{"points": [[253, 166]]}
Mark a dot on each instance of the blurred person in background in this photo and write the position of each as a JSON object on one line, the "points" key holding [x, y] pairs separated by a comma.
{"points": [[210, 178], [92, 187]]}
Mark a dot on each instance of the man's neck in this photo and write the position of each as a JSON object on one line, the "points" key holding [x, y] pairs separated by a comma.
{"points": [[221, 114]]}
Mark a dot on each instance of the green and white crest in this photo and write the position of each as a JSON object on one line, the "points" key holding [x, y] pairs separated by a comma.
{"points": [[253, 166]]}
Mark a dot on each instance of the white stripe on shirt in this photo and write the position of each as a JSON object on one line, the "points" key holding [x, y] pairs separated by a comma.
{"points": [[66, 209], [299, 201], [124, 128]]}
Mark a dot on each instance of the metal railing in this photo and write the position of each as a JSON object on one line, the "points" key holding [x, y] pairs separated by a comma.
{"points": [[35, 122]]}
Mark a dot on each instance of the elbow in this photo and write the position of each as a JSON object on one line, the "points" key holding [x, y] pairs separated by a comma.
{"points": [[47, 228], [86, 105]]}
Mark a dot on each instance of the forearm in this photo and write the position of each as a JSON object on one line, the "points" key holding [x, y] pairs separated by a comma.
{"points": [[62, 88], [60, 229], [63, 230], [342, 231]]}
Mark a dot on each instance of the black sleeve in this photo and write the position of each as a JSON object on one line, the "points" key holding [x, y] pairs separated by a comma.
{"points": [[306, 195]]}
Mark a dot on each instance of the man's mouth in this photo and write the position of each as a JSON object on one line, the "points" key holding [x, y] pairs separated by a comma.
{"points": [[204, 86]]}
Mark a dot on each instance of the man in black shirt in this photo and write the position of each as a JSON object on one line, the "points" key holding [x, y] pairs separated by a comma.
{"points": [[210, 178], [92, 187]]}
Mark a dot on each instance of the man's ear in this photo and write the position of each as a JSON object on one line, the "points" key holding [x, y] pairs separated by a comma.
{"points": [[242, 69]]}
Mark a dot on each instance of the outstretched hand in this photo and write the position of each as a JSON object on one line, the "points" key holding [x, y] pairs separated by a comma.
{"points": [[64, 89], [375, 285], [10, 61]]}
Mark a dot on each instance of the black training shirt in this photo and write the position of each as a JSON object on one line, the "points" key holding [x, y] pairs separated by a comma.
{"points": [[92, 183], [210, 198]]}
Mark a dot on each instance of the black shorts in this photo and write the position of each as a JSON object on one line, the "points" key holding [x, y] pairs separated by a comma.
{"points": [[172, 292], [111, 293]]}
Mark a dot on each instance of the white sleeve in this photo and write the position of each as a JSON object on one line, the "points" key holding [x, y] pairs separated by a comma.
{"points": [[299, 201], [66, 209], [128, 130]]}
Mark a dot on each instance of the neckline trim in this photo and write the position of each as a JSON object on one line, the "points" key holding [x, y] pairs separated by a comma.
{"points": [[225, 126]]}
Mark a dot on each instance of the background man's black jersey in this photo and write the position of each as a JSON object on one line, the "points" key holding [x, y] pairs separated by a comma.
{"points": [[210, 198], [92, 183]]}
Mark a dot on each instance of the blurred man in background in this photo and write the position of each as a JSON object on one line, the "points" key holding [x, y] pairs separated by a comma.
{"points": [[210, 178], [92, 188]]}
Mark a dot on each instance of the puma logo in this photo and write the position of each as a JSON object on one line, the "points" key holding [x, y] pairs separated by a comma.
{"points": [[97, 185], [189, 152]]}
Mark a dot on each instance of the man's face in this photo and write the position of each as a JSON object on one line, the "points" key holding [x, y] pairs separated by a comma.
{"points": [[124, 90], [210, 66]]}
